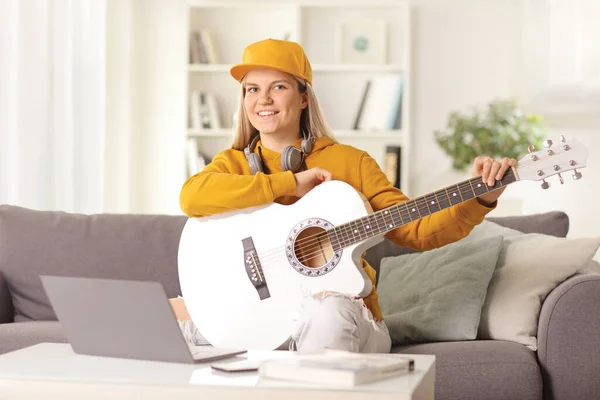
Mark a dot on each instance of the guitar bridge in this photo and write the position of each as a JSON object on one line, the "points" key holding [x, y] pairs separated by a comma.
{"points": [[254, 269]]}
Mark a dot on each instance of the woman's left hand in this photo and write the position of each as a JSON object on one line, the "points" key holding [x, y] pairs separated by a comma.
{"points": [[490, 171]]}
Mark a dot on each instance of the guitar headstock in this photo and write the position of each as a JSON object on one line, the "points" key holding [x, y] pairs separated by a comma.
{"points": [[554, 159]]}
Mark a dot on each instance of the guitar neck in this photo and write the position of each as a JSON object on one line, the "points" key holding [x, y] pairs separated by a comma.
{"points": [[390, 218]]}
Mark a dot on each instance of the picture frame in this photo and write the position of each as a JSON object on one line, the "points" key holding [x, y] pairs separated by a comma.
{"points": [[362, 42]]}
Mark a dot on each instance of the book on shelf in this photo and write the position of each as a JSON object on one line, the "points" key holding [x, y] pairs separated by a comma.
{"points": [[380, 107], [195, 160], [393, 164], [335, 367], [202, 48], [204, 111]]}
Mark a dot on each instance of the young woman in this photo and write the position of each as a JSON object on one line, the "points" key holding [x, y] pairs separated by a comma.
{"points": [[282, 149]]}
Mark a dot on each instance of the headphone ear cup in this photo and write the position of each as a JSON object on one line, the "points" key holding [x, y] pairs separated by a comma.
{"points": [[291, 159], [306, 146], [254, 162]]}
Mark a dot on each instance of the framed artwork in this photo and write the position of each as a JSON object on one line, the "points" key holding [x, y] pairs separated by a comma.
{"points": [[362, 42]]}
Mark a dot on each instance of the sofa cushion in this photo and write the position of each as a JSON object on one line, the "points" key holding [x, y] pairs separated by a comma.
{"points": [[554, 223], [529, 267], [437, 295], [482, 369], [114, 246], [18, 335]]}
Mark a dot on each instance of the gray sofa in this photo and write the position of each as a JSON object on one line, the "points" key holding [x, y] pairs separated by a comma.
{"points": [[144, 247]]}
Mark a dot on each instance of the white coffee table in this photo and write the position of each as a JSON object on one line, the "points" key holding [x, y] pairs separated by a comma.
{"points": [[53, 370]]}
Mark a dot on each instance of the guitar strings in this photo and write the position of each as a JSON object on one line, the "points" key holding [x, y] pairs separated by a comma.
{"points": [[345, 229], [379, 216]]}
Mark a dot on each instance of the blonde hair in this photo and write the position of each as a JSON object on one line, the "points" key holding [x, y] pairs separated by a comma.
{"points": [[312, 120]]}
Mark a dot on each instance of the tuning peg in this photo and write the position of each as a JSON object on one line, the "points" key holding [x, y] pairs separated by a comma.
{"points": [[576, 175], [560, 178], [562, 138], [545, 185], [547, 143], [531, 149]]}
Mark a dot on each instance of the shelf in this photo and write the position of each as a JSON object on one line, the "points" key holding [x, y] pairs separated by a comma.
{"points": [[356, 68], [209, 67], [392, 135], [211, 133], [316, 68], [303, 4]]}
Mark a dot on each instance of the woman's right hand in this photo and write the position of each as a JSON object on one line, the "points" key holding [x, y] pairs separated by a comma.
{"points": [[306, 180], [179, 308]]}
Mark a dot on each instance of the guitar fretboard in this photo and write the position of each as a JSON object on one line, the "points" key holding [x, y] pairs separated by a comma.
{"points": [[390, 218]]}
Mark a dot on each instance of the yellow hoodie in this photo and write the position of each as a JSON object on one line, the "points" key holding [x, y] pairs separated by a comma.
{"points": [[227, 184]]}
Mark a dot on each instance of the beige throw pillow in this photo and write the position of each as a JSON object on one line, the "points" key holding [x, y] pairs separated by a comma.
{"points": [[529, 267]]}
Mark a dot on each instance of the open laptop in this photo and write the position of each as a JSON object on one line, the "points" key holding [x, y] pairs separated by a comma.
{"points": [[120, 318]]}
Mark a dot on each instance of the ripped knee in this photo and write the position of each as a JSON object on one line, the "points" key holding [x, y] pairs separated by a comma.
{"points": [[325, 294]]}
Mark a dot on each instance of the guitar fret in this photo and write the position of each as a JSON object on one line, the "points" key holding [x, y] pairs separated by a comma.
{"points": [[432, 203], [344, 236], [427, 205], [471, 185], [398, 214], [391, 224], [407, 212], [466, 192], [455, 196], [348, 229], [348, 232], [371, 219], [376, 217], [422, 207], [414, 209], [357, 231], [443, 199], [480, 187]]}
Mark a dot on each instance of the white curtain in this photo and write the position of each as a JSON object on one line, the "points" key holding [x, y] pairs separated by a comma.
{"points": [[52, 104]]}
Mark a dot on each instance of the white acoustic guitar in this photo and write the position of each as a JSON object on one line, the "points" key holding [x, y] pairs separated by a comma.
{"points": [[244, 273]]}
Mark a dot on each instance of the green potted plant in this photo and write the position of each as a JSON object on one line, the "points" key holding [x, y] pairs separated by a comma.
{"points": [[501, 129]]}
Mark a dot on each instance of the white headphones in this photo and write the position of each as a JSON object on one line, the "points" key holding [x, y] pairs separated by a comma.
{"points": [[292, 158]]}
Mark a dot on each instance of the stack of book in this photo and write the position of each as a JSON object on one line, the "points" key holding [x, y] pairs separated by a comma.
{"points": [[334, 367]]}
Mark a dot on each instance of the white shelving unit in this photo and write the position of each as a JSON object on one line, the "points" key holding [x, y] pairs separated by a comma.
{"points": [[315, 25]]}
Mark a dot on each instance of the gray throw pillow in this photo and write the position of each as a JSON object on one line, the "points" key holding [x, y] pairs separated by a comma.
{"points": [[437, 295]]}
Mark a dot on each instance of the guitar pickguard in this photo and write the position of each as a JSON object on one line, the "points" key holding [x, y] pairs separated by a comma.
{"points": [[309, 249]]}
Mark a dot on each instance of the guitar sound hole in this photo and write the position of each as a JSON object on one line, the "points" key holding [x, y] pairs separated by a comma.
{"points": [[313, 248]]}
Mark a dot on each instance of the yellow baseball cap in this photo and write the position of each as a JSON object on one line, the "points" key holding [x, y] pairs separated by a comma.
{"points": [[282, 55]]}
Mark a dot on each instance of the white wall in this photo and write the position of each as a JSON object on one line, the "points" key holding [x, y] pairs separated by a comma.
{"points": [[146, 61], [465, 53]]}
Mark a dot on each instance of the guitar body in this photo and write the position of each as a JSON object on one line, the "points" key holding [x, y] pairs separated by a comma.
{"points": [[285, 250]]}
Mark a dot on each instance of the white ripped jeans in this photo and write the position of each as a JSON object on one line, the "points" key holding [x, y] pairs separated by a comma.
{"points": [[331, 321]]}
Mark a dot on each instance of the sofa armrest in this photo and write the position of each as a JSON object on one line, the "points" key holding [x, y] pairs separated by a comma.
{"points": [[569, 339], [7, 311]]}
